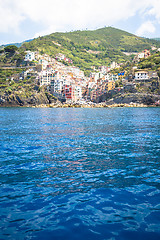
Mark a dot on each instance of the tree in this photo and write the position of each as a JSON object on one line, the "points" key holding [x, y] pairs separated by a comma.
{"points": [[10, 49]]}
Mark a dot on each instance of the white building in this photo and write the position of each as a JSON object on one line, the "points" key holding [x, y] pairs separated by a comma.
{"points": [[141, 75], [140, 55], [60, 56], [103, 69], [111, 77], [46, 78], [78, 93], [30, 56], [57, 85], [44, 63], [91, 85], [114, 65], [75, 71], [95, 76]]}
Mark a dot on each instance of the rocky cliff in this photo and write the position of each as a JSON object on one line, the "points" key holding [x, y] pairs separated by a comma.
{"points": [[19, 99], [139, 98]]}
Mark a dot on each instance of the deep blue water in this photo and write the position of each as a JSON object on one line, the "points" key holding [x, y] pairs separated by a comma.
{"points": [[73, 174]]}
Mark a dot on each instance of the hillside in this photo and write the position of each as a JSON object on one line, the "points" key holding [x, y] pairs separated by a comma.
{"points": [[26, 92], [91, 48], [11, 56], [20, 81], [151, 63]]}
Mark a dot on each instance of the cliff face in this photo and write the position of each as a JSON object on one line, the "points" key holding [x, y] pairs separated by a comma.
{"points": [[141, 98], [45, 99], [16, 99]]}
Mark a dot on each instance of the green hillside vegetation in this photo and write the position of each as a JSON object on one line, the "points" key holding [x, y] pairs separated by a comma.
{"points": [[6, 74], [7, 85], [91, 48], [24, 93], [10, 59], [86, 49], [11, 56], [151, 63]]}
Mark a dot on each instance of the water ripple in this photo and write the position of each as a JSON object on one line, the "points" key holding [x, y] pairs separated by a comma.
{"points": [[80, 173]]}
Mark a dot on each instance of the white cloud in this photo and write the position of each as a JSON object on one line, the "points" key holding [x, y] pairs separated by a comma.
{"points": [[9, 17], [65, 15], [146, 27], [155, 10]]}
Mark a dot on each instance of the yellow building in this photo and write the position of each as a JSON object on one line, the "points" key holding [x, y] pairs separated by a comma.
{"points": [[110, 85]]}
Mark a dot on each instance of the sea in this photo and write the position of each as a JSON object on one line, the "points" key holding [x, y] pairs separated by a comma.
{"points": [[76, 173]]}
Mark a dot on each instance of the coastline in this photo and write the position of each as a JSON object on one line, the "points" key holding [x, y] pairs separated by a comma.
{"points": [[96, 105], [43, 101], [76, 105]]}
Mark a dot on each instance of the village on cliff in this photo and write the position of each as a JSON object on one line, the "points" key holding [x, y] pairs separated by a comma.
{"points": [[69, 83]]}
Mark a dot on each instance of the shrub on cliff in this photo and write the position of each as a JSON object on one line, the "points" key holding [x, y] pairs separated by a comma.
{"points": [[10, 49]]}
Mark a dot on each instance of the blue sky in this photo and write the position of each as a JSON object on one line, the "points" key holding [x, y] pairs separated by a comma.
{"points": [[26, 19]]}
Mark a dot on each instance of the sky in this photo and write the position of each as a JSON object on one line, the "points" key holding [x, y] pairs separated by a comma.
{"points": [[27, 19]]}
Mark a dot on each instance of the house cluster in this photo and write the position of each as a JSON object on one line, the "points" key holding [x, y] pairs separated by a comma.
{"points": [[106, 69], [144, 54], [62, 57], [97, 87], [69, 81]]}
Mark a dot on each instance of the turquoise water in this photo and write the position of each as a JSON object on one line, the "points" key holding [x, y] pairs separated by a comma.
{"points": [[80, 174]]}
